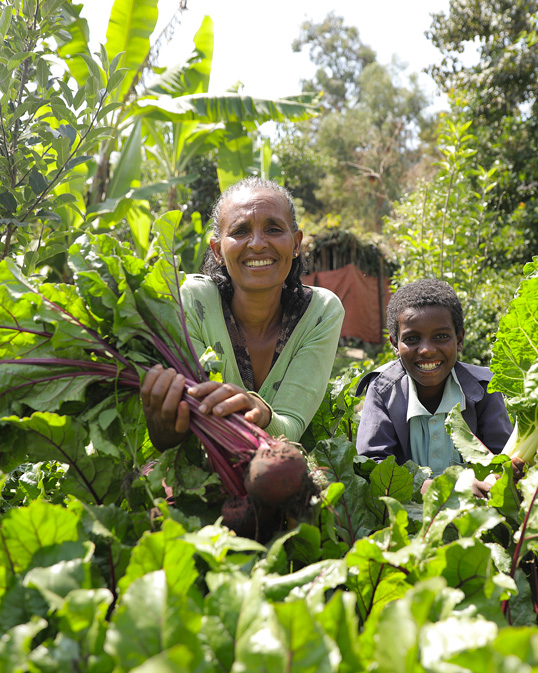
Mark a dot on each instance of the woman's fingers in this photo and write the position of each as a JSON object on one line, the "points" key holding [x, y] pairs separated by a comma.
{"points": [[166, 414], [172, 397], [183, 418], [223, 399]]}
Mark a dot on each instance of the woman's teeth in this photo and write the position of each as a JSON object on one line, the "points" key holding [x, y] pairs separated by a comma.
{"points": [[259, 262]]}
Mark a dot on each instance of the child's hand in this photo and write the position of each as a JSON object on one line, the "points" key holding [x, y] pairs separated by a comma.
{"points": [[481, 489], [425, 486], [517, 468]]}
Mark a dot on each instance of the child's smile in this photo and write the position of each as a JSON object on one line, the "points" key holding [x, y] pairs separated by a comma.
{"points": [[428, 348]]}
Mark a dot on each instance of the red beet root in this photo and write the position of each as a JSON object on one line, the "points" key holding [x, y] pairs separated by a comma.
{"points": [[248, 519], [276, 474]]}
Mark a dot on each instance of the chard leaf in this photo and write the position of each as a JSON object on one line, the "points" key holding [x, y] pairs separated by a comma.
{"points": [[339, 621], [448, 497], [27, 530], [163, 551], [528, 488], [406, 617], [485, 659], [388, 479], [521, 607], [56, 581], [397, 536], [42, 388], [465, 564], [306, 645], [214, 542], [17, 642], [475, 521], [352, 517], [222, 607], [372, 578], [47, 436], [309, 583], [83, 616], [518, 641], [260, 642], [516, 344], [470, 447], [441, 641], [152, 616]]}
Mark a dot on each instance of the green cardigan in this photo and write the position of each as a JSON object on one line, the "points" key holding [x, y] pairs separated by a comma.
{"points": [[297, 382]]}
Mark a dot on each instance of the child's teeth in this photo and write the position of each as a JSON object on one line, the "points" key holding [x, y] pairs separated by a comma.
{"points": [[431, 365]]}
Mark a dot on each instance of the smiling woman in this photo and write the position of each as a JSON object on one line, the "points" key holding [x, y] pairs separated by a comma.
{"points": [[276, 338]]}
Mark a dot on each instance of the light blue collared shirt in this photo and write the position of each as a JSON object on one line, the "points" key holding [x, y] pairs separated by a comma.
{"points": [[429, 442]]}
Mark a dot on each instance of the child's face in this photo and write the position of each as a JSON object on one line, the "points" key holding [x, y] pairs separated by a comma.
{"points": [[428, 346]]}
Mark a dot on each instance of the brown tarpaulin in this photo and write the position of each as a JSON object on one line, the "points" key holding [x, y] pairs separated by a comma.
{"points": [[359, 294]]}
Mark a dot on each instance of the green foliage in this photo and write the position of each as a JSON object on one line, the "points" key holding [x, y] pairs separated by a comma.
{"points": [[496, 87], [47, 128], [355, 159], [450, 228], [98, 573], [73, 136]]}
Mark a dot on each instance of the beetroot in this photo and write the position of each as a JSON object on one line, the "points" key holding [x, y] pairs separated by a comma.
{"points": [[248, 519], [276, 474]]}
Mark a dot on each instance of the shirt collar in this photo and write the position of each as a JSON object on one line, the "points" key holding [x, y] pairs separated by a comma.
{"points": [[452, 395]]}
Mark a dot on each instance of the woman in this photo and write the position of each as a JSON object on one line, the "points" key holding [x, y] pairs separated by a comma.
{"points": [[276, 337]]}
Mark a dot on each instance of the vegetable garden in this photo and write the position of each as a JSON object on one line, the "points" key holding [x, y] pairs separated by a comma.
{"points": [[99, 571]]}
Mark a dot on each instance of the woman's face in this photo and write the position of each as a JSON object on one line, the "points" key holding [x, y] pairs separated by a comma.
{"points": [[257, 243]]}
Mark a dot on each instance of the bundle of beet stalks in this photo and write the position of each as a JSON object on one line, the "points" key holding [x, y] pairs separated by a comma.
{"points": [[120, 321]]}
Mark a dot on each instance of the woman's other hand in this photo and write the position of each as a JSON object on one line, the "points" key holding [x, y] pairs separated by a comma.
{"points": [[223, 399], [167, 415]]}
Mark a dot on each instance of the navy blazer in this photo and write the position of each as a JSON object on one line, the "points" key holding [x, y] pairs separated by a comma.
{"points": [[383, 428]]}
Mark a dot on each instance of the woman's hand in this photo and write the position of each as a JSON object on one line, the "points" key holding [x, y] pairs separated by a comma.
{"points": [[167, 415], [223, 399]]}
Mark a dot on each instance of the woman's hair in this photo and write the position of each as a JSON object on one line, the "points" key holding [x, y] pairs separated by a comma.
{"points": [[420, 293], [292, 292]]}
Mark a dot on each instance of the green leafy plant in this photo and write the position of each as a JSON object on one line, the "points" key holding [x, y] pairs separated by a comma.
{"points": [[47, 128], [451, 228]]}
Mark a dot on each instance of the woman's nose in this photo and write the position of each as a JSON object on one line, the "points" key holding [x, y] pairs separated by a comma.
{"points": [[257, 239]]}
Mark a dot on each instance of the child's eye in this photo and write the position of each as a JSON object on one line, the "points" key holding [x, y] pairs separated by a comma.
{"points": [[443, 336], [410, 339]]}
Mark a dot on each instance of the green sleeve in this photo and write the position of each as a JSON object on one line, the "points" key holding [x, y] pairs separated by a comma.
{"points": [[303, 386]]}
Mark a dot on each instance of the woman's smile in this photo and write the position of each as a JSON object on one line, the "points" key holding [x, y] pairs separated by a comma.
{"points": [[259, 262]]}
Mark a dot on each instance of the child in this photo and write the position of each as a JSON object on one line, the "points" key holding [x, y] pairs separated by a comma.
{"points": [[407, 400]]}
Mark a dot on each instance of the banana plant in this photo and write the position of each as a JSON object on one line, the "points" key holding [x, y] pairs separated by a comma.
{"points": [[176, 119]]}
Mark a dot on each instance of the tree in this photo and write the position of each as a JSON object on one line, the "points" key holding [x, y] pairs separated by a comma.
{"points": [[498, 91], [360, 151], [450, 228], [340, 55], [61, 128]]}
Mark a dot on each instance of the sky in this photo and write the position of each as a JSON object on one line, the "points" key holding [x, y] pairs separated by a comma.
{"points": [[253, 39]]}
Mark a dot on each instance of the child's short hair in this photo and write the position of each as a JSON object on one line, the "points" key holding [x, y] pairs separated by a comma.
{"points": [[423, 292]]}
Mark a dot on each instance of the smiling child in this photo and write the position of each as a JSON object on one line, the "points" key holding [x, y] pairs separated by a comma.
{"points": [[407, 400]]}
